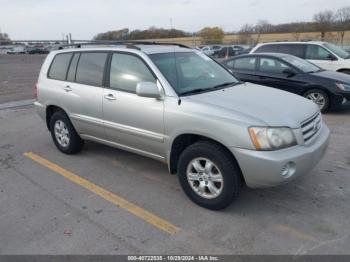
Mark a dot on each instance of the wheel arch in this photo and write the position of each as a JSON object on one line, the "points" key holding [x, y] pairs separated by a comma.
{"points": [[182, 141], [341, 70], [50, 110]]}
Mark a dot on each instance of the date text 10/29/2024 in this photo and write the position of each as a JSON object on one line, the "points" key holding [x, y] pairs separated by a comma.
{"points": [[173, 258]]}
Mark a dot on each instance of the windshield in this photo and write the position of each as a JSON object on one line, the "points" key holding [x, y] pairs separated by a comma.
{"points": [[337, 50], [188, 72], [301, 64]]}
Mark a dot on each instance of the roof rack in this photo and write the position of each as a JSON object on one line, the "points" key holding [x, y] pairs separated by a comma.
{"points": [[127, 43]]}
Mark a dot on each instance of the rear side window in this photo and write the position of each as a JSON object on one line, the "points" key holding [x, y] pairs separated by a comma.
{"points": [[230, 64], [292, 49], [127, 71], [267, 49], [247, 63], [91, 68], [272, 66], [59, 66]]}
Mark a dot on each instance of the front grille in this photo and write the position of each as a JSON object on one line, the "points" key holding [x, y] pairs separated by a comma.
{"points": [[311, 126]]}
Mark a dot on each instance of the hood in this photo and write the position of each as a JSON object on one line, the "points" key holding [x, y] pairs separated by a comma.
{"points": [[265, 105], [331, 75]]}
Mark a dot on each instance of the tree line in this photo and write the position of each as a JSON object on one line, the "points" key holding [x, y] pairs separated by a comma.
{"points": [[323, 22]]}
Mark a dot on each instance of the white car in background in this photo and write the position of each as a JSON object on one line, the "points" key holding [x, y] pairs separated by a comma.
{"points": [[326, 55], [207, 50]]}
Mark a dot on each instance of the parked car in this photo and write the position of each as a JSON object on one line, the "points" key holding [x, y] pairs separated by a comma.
{"points": [[326, 55], [37, 50], [179, 106], [17, 50], [238, 48], [327, 89], [207, 50], [225, 52]]}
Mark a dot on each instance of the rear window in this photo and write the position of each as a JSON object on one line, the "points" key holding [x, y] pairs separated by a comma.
{"points": [[91, 68], [59, 66]]}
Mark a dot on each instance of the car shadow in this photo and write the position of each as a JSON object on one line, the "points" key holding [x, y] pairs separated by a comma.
{"points": [[342, 110]]}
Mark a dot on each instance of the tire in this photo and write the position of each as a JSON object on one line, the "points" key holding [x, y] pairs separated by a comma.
{"points": [[61, 128], [223, 164], [320, 95]]}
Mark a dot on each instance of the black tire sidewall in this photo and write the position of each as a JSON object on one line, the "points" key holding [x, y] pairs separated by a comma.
{"points": [[326, 96], [229, 171], [75, 142]]}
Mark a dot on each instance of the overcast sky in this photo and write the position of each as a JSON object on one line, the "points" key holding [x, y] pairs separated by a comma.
{"points": [[48, 19]]}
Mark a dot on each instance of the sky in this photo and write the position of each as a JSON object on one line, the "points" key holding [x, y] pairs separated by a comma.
{"points": [[50, 19]]}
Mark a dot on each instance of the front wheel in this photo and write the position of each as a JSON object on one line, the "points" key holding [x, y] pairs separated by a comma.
{"points": [[208, 175], [320, 98]]}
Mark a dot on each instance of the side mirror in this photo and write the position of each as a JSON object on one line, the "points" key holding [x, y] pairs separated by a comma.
{"points": [[148, 89], [289, 72]]}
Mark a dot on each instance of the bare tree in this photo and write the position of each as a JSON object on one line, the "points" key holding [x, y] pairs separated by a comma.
{"points": [[343, 22], [324, 21], [4, 38], [262, 27], [245, 34]]}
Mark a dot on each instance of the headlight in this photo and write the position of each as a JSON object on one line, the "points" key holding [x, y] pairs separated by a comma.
{"points": [[272, 138], [343, 87]]}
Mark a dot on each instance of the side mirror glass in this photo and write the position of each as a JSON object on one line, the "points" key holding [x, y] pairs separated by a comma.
{"points": [[289, 72], [148, 89]]}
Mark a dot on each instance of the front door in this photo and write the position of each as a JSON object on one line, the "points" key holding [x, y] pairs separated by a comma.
{"points": [[132, 122], [270, 73], [320, 56]]}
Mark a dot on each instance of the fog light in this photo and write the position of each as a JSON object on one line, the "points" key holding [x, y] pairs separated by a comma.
{"points": [[288, 169]]}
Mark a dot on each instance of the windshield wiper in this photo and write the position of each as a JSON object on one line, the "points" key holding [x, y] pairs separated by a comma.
{"points": [[202, 90], [223, 85], [194, 91]]}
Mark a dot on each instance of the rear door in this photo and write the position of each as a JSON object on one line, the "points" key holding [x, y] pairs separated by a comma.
{"points": [[81, 94], [132, 122], [244, 68]]}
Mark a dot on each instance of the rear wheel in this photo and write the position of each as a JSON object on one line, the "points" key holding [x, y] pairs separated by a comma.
{"points": [[64, 135], [320, 98], [208, 175]]}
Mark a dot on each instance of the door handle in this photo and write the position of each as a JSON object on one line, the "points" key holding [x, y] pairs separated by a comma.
{"points": [[67, 89], [110, 97]]}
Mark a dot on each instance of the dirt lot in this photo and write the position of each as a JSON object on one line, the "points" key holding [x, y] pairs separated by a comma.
{"points": [[108, 201], [18, 75]]}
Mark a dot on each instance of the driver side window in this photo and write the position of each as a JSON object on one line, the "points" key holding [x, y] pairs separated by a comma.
{"points": [[127, 71], [315, 52]]}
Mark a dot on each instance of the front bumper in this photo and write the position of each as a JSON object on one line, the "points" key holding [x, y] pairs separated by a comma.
{"points": [[264, 168]]}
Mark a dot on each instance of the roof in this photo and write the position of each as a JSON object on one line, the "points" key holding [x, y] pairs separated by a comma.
{"points": [[145, 47], [286, 42], [277, 55]]}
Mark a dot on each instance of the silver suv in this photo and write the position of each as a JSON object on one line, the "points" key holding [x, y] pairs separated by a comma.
{"points": [[177, 105]]}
